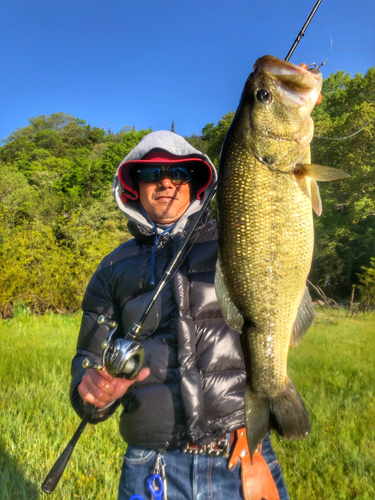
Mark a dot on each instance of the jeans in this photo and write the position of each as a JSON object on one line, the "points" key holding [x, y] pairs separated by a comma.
{"points": [[191, 477]]}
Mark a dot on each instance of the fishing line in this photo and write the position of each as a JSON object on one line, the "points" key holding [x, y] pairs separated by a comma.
{"points": [[347, 136], [329, 55], [344, 48], [322, 64], [331, 43]]}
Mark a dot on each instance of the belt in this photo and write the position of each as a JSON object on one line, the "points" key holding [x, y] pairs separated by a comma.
{"points": [[219, 448], [256, 478]]}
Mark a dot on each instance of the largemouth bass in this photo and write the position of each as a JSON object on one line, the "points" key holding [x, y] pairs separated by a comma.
{"points": [[266, 191]]}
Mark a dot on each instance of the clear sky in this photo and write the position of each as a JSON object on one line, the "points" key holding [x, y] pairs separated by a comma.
{"points": [[145, 62]]}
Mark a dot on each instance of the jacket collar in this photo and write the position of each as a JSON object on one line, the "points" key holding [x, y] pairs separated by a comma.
{"points": [[147, 236]]}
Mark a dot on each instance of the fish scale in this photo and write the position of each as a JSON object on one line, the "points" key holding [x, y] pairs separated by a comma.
{"points": [[262, 234]]}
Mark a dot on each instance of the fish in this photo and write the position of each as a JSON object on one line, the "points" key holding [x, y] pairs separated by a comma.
{"points": [[267, 191]]}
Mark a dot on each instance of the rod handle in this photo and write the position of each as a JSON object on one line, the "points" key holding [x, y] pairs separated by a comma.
{"points": [[54, 475]]}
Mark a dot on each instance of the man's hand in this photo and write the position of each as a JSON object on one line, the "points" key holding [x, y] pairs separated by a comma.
{"points": [[100, 388]]}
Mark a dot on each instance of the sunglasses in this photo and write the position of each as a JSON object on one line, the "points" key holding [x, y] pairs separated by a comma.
{"points": [[178, 175]]}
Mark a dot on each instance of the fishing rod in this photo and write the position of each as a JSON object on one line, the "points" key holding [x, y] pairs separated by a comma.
{"points": [[124, 357], [302, 32]]}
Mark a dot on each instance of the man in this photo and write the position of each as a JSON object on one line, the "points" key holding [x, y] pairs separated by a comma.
{"points": [[188, 398]]}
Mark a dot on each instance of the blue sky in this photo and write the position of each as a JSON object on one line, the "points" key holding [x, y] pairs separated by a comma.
{"points": [[145, 62]]}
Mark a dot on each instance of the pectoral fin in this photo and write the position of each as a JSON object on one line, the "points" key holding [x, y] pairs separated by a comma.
{"points": [[319, 173], [304, 319]]}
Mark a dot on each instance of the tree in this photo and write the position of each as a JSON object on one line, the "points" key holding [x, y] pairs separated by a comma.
{"points": [[345, 234], [367, 285], [57, 214], [216, 135]]}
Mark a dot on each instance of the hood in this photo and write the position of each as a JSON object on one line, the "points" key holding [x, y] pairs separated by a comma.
{"points": [[177, 149]]}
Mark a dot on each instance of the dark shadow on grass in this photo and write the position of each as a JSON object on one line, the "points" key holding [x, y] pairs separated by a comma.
{"points": [[13, 484]]}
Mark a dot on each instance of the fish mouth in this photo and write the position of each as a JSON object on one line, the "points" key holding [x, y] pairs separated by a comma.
{"points": [[295, 85]]}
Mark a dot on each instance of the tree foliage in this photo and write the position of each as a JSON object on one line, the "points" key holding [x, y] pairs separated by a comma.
{"points": [[58, 218], [57, 215], [345, 233], [367, 284]]}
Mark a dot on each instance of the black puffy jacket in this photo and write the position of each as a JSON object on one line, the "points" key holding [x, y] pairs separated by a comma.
{"points": [[197, 382]]}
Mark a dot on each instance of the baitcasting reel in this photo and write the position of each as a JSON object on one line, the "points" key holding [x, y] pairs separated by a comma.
{"points": [[123, 358]]}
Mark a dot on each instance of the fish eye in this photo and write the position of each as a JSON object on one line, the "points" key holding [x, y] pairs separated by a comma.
{"points": [[263, 95]]}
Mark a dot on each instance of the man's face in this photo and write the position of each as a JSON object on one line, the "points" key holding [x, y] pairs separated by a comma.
{"points": [[163, 200]]}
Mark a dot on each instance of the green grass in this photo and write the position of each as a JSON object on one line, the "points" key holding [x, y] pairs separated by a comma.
{"points": [[37, 420], [333, 370]]}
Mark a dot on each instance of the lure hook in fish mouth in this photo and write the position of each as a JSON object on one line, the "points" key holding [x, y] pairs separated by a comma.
{"points": [[295, 86]]}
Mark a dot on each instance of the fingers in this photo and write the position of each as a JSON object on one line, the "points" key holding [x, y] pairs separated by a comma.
{"points": [[144, 373], [103, 373], [123, 384], [100, 388]]}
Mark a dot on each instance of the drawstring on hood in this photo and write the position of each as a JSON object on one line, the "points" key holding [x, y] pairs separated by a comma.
{"points": [[157, 238]]}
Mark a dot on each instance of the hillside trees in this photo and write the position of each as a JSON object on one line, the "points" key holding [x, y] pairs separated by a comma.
{"points": [[57, 215]]}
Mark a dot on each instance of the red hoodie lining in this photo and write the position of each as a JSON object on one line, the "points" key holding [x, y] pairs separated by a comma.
{"points": [[131, 194]]}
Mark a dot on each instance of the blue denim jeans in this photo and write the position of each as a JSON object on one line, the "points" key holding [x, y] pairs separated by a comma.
{"points": [[191, 477]]}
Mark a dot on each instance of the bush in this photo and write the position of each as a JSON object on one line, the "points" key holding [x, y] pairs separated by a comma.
{"points": [[47, 268], [367, 286]]}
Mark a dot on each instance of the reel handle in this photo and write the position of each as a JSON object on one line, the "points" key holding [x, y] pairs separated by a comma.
{"points": [[87, 363]]}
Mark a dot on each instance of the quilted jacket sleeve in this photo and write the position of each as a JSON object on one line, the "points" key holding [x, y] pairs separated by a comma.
{"points": [[97, 300]]}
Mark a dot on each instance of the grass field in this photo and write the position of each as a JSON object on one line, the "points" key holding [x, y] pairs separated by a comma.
{"points": [[333, 370]]}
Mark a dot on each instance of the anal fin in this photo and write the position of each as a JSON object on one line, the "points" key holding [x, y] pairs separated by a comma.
{"points": [[304, 319]]}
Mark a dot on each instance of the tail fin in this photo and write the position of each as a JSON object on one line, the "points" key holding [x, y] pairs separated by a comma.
{"points": [[285, 413]]}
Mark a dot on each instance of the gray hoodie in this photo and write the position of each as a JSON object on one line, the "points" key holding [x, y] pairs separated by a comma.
{"points": [[173, 144]]}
